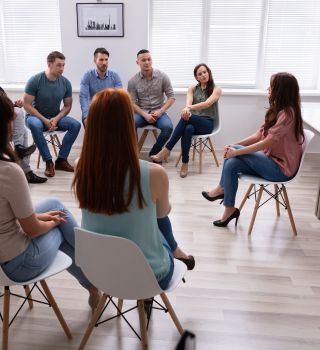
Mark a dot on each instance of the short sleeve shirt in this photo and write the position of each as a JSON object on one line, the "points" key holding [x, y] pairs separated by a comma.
{"points": [[149, 94], [15, 202], [48, 93]]}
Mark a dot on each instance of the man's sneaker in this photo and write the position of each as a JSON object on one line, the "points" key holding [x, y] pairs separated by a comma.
{"points": [[32, 178], [22, 151], [49, 172], [62, 164]]}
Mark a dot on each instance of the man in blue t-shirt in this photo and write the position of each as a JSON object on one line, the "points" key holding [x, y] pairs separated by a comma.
{"points": [[96, 80], [44, 93]]}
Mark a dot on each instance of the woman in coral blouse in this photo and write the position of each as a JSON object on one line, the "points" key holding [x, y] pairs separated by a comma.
{"points": [[273, 152]]}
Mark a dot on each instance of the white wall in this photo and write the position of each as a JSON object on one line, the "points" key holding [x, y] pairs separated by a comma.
{"points": [[241, 113]]}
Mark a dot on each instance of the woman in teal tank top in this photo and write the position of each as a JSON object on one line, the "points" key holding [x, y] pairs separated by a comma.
{"points": [[197, 118], [127, 194]]}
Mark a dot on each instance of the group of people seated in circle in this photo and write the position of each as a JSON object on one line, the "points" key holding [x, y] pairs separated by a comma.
{"points": [[129, 197]]}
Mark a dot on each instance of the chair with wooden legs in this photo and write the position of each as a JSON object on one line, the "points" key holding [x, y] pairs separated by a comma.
{"points": [[280, 194], [59, 264], [145, 133], [118, 267], [201, 143], [53, 139]]}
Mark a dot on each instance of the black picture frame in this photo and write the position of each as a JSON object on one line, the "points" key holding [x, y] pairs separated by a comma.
{"points": [[100, 19]]}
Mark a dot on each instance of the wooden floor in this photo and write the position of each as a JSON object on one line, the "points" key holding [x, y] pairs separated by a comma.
{"points": [[260, 292]]}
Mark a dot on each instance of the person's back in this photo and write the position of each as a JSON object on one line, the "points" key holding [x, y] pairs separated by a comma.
{"points": [[138, 225]]}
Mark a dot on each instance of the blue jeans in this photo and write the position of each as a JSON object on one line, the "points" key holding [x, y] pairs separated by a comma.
{"points": [[37, 128], [185, 129], [163, 123], [256, 163], [42, 250], [170, 245]]}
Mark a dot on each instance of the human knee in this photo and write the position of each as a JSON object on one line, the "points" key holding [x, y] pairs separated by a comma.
{"points": [[35, 126], [232, 165]]}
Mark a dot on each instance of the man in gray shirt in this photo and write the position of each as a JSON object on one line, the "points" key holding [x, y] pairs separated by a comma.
{"points": [[147, 89]]}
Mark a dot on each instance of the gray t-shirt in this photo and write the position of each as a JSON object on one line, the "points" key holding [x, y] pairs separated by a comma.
{"points": [[148, 94], [48, 93]]}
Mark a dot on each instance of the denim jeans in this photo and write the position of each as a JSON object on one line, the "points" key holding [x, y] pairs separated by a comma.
{"points": [[256, 163], [42, 250], [163, 123], [185, 129], [37, 127], [20, 137], [164, 282]]}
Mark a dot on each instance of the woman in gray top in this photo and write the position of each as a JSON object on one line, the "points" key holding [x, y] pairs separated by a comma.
{"points": [[197, 117]]}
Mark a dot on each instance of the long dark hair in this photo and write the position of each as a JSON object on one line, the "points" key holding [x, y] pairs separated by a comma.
{"points": [[109, 155], [285, 96], [210, 85], [6, 118]]}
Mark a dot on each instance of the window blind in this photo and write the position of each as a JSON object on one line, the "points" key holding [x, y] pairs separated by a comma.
{"points": [[293, 41], [30, 30], [176, 32]]}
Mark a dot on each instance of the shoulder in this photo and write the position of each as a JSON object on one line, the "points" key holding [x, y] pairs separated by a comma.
{"points": [[157, 172], [12, 172], [87, 75], [134, 80], [35, 79], [285, 116]]}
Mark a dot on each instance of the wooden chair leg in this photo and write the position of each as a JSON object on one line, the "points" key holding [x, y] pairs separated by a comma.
{"points": [[120, 304], [200, 154], [246, 197], [58, 143], [171, 312], [286, 198], [6, 313], [53, 145], [56, 309], [93, 321], [142, 139], [27, 291], [178, 159], [194, 148], [143, 327], [38, 163], [256, 207], [213, 151], [155, 134], [276, 190]]}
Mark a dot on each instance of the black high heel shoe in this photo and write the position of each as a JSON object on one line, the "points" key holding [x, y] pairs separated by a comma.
{"points": [[190, 262], [212, 199], [224, 223]]}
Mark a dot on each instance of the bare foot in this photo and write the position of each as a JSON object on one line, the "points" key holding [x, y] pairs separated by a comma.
{"points": [[179, 253]]}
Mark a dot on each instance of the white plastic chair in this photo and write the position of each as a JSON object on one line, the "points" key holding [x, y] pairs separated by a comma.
{"points": [[118, 267], [144, 135], [280, 194], [200, 143], [52, 137], [59, 264]]}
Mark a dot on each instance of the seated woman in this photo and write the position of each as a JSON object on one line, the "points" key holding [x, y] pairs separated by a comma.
{"points": [[197, 118], [30, 238], [273, 152], [127, 194]]}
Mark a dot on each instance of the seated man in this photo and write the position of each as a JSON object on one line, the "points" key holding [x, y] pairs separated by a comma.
{"points": [[97, 79], [147, 89], [44, 93], [20, 141]]}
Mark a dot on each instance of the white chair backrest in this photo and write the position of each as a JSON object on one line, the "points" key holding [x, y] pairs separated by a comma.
{"points": [[115, 265], [308, 136]]}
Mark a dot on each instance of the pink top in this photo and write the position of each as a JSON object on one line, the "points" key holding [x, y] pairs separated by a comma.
{"points": [[285, 149]]}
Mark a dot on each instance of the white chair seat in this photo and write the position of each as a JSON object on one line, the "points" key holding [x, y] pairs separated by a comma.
{"points": [[280, 192], [60, 263]]}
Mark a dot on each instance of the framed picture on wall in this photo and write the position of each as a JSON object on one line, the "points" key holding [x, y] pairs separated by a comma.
{"points": [[101, 19]]}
